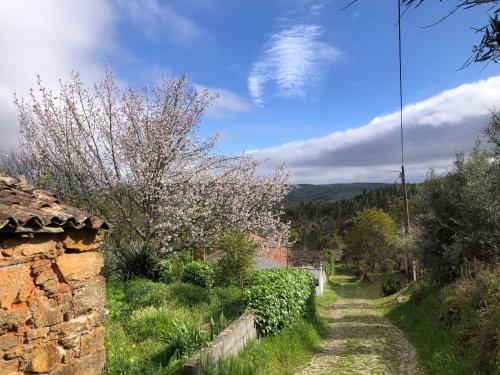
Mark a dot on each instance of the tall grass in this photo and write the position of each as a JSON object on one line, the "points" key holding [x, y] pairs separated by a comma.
{"points": [[153, 327], [455, 328]]}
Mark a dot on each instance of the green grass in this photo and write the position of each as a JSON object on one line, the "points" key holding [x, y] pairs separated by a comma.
{"points": [[282, 353], [454, 328], [152, 328]]}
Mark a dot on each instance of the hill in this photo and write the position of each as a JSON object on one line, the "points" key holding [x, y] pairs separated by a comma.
{"points": [[329, 192]]}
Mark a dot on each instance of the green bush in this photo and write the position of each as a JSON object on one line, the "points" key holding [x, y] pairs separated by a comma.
{"points": [[391, 286], [199, 273], [279, 297], [236, 262], [137, 259], [141, 293], [460, 219]]}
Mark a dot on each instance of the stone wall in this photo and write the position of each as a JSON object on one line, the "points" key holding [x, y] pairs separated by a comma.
{"points": [[231, 341], [52, 303]]}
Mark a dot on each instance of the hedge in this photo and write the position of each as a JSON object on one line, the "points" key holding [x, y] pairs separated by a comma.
{"points": [[279, 297], [199, 273]]}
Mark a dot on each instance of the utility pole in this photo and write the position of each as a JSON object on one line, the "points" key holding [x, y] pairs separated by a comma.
{"points": [[403, 178]]}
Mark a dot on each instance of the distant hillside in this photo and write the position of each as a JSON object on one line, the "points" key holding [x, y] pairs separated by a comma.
{"points": [[329, 192]]}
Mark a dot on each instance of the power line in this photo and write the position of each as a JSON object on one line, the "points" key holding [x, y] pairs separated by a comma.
{"points": [[403, 179]]}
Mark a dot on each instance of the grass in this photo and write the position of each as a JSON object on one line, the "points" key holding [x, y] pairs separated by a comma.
{"points": [[455, 328], [282, 353], [152, 328]]}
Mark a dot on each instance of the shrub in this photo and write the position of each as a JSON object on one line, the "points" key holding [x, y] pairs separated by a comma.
{"points": [[143, 293], [391, 286], [279, 297], [167, 271], [137, 259], [189, 294], [199, 273], [235, 264], [461, 219]]}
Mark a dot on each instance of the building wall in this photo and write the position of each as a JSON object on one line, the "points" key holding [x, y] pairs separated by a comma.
{"points": [[275, 254], [320, 277], [52, 303]]}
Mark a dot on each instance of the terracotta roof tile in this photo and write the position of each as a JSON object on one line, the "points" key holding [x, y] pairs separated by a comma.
{"points": [[25, 207]]}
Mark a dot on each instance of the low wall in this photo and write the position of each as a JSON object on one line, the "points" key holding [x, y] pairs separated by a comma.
{"points": [[231, 341], [51, 303]]}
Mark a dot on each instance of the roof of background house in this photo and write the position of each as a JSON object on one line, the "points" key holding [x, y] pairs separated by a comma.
{"points": [[305, 258], [24, 208]]}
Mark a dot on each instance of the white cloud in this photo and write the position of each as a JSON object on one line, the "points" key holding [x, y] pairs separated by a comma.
{"points": [[161, 21], [435, 129], [49, 38], [227, 102], [292, 59]]}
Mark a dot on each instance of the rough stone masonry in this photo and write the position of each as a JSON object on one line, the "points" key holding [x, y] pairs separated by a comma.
{"points": [[51, 292]]}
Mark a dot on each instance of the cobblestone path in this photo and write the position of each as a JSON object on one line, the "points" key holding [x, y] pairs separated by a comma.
{"points": [[360, 340]]}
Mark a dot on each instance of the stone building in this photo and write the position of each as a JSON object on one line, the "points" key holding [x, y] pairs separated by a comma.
{"points": [[51, 292]]}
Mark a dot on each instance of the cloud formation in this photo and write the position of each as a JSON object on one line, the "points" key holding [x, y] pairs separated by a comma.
{"points": [[226, 103], [435, 129], [292, 59], [160, 20], [49, 38]]}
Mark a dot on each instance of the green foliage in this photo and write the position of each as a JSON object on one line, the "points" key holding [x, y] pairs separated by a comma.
{"points": [[284, 353], [371, 239], [167, 271], [280, 297], [455, 328], [199, 273], [276, 354], [492, 131], [314, 222], [153, 327], [461, 215], [137, 259], [142, 293], [390, 286], [237, 258]]}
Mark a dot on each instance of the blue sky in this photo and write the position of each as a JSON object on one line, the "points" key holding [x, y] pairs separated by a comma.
{"points": [[287, 70]]}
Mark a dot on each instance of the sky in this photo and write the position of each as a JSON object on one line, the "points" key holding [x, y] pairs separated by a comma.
{"points": [[300, 82]]}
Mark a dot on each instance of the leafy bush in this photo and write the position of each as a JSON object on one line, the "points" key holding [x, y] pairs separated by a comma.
{"points": [[461, 219], [140, 293], [167, 271], [199, 273], [189, 294], [279, 297], [235, 264], [391, 286]]}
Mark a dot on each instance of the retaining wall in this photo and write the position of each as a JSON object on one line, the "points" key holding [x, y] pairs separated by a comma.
{"points": [[231, 341]]}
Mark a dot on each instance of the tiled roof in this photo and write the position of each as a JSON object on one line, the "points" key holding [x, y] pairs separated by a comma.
{"points": [[305, 258], [24, 208]]}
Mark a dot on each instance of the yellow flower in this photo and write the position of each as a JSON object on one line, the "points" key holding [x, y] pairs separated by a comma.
{"points": [[133, 345], [132, 360]]}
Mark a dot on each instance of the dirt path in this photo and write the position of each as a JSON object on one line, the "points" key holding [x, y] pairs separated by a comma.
{"points": [[360, 340]]}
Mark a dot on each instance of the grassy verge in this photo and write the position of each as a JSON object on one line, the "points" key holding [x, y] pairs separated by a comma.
{"points": [[454, 328], [153, 327], [283, 353]]}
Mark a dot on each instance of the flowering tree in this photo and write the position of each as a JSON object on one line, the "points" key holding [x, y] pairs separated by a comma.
{"points": [[136, 159]]}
